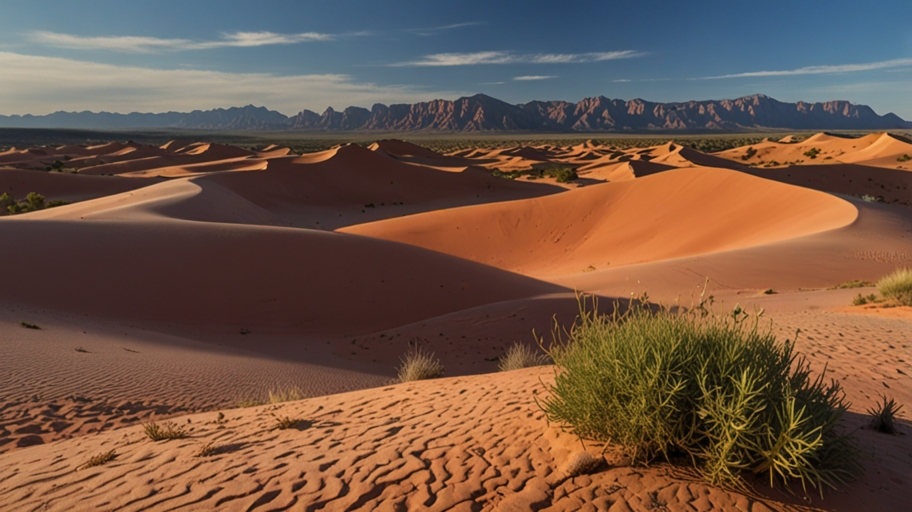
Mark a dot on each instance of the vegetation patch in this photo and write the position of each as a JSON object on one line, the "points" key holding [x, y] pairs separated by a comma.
{"points": [[883, 416], [100, 459], [812, 153], [904, 158], [418, 364], [714, 389], [33, 202], [274, 396], [28, 325], [897, 286], [521, 356], [749, 153], [169, 430], [858, 283]]}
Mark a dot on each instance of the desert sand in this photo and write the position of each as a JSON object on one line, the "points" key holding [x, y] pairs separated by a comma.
{"points": [[185, 279]]}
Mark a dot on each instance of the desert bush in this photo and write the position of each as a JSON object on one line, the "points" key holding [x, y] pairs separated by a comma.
{"points": [[715, 388], [419, 365], [29, 325], [897, 286], [169, 430], [883, 416], [812, 153], [520, 356], [749, 153], [861, 300], [563, 174], [904, 158], [857, 283]]}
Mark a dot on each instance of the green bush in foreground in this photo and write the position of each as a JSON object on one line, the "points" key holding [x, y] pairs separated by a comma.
{"points": [[714, 388], [897, 286]]}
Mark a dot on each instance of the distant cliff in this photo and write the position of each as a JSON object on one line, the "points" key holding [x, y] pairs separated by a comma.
{"points": [[483, 113]]}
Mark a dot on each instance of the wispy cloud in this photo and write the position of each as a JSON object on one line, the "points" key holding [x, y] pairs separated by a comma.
{"points": [[136, 44], [622, 80], [491, 83], [498, 57], [430, 31], [821, 70], [532, 78], [39, 85]]}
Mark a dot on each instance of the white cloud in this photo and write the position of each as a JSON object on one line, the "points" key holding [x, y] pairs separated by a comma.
{"points": [[153, 44], [40, 85], [496, 57], [531, 78], [820, 70], [622, 80]]}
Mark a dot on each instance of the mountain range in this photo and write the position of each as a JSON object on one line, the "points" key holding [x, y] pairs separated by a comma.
{"points": [[481, 113]]}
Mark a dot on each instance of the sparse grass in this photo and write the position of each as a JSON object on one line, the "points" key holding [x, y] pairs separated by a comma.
{"points": [[287, 422], [82, 350], [419, 365], [715, 388], [275, 396], [28, 325], [861, 300], [100, 459], [883, 416], [853, 284], [869, 198], [521, 356], [207, 450], [169, 430], [897, 286]]}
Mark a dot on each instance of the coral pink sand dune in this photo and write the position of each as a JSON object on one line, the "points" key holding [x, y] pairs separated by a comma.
{"points": [[668, 215], [157, 298]]}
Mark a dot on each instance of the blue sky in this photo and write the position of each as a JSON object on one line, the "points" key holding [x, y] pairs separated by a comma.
{"points": [[287, 55]]}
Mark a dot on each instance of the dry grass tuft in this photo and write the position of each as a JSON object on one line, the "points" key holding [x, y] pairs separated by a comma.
{"points": [[167, 431], [207, 450], [419, 365], [897, 287], [100, 459], [287, 422], [520, 356]]}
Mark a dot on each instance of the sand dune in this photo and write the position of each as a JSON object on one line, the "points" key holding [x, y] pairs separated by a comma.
{"points": [[693, 211], [220, 279]]}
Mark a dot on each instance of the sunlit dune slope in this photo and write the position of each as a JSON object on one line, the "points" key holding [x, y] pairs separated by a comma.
{"points": [[668, 215]]}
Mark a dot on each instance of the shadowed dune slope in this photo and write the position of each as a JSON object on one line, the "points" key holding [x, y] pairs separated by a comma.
{"points": [[186, 273], [668, 215]]}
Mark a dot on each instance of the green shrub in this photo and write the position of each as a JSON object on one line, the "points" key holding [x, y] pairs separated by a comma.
{"points": [[419, 365], [563, 174], [861, 300], [897, 287], [883, 416], [714, 388], [812, 153], [858, 283], [520, 356], [904, 158], [749, 153]]}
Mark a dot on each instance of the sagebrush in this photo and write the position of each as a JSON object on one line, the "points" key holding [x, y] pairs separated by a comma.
{"points": [[716, 389]]}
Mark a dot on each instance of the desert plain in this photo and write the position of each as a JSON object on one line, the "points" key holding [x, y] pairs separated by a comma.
{"points": [[181, 281]]}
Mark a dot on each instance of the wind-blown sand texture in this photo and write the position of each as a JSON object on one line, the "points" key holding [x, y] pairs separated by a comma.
{"points": [[185, 279]]}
